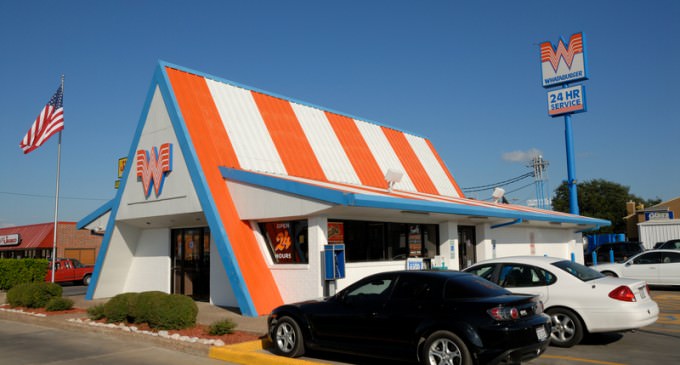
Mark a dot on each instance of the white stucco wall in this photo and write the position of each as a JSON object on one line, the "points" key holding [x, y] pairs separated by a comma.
{"points": [[150, 266]]}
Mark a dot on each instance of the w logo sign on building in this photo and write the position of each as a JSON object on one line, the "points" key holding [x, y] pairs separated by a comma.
{"points": [[563, 64], [152, 166]]}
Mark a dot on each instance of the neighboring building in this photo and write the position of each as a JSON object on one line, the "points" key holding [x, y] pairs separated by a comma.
{"points": [[36, 241], [655, 216], [231, 194]]}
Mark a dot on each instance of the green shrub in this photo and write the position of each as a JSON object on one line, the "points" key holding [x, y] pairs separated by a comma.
{"points": [[120, 308], [16, 297], [96, 312], [19, 271], [145, 306], [223, 327], [58, 304], [33, 295], [174, 312]]}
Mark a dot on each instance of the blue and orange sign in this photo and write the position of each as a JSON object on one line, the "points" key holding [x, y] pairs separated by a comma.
{"points": [[153, 166], [563, 63]]}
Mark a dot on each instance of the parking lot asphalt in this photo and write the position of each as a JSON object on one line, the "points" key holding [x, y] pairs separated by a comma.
{"points": [[667, 328]]}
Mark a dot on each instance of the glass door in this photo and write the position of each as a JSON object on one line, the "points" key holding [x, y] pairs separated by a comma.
{"points": [[191, 262]]}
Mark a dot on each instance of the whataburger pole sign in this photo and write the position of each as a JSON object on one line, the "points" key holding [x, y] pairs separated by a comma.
{"points": [[560, 65]]}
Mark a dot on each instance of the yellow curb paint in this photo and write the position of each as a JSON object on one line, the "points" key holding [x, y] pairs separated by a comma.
{"points": [[252, 357], [578, 359]]}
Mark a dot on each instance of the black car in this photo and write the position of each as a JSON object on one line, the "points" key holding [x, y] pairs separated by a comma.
{"points": [[622, 252], [668, 245], [436, 317]]}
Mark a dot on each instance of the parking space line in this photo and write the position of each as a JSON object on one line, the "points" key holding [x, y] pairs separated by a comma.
{"points": [[578, 359]]}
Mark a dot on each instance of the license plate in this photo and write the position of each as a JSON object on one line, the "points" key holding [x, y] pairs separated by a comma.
{"points": [[642, 292], [541, 333]]}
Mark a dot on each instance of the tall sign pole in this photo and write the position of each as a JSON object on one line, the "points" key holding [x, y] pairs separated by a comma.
{"points": [[561, 65]]}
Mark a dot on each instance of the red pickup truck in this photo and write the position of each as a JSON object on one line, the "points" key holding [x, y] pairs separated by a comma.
{"points": [[70, 270]]}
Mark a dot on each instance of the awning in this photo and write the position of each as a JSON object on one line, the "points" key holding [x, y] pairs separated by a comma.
{"points": [[345, 195], [30, 237]]}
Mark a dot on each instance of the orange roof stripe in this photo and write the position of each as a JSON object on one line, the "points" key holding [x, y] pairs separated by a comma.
{"points": [[360, 156], [213, 149], [409, 159], [288, 136]]}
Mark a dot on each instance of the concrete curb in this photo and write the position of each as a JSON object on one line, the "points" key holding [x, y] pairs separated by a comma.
{"points": [[253, 352]]}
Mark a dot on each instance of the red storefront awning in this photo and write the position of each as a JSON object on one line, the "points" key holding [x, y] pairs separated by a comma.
{"points": [[30, 237]]}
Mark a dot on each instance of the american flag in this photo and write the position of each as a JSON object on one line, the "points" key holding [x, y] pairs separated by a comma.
{"points": [[49, 122]]}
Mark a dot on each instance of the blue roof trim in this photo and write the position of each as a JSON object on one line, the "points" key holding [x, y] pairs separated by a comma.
{"points": [[388, 202], [217, 231], [233, 83], [94, 215]]}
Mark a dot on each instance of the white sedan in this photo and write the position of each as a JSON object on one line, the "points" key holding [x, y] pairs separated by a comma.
{"points": [[578, 299], [656, 267]]}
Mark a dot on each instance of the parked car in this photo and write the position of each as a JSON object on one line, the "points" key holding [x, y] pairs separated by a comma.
{"points": [[668, 245], [578, 299], [437, 317], [70, 270], [656, 267], [622, 252]]}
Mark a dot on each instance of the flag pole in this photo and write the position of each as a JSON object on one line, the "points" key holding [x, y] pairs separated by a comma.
{"points": [[56, 198]]}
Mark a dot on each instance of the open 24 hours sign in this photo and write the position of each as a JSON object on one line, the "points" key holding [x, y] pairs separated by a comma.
{"points": [[567, 100]]}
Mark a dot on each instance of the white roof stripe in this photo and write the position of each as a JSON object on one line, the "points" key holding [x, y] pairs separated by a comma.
{"points": [[247, 131], [326, 145], [432, 166], [384, 154]]}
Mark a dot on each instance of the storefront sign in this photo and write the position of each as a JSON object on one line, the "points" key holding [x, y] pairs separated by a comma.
{"points": [[655, 216], [567, 101], [415, 263], [153, 166], [563, 64], [10, 239], [336, 232]]}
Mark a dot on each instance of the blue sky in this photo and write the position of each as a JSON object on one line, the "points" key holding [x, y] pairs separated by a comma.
{"points": [[465, 74]]}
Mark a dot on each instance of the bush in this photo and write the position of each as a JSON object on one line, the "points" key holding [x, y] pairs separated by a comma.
{"points": [[174, 312], [33, 295], [19, 271], [223, 327], [157, 309], [121, 308], [96, 312], [59, 304], [145, 306]]}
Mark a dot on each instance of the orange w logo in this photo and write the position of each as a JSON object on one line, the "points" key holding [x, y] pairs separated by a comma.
{"points": [[548, 54], [153, 166]]}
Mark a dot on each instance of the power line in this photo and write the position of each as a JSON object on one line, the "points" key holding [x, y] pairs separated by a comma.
{"points": [[49, 196], [474, 189]]}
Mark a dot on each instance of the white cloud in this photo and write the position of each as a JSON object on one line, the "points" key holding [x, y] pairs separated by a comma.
{"points": [[521, 156]]}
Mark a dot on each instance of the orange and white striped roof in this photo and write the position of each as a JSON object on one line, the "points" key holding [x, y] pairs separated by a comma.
{"points": [[269, 134]]}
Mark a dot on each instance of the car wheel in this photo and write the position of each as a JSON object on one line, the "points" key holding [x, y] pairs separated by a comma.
{"points": [[445, 348], [609, 273], [567, 329], [86, 280], [287, 338]]}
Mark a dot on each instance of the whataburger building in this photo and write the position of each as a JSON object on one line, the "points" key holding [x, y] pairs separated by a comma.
{"points": [[232, 194]]}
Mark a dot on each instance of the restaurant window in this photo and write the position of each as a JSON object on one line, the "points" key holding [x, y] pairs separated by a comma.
{"points": [[286, 241], [386, 241]]}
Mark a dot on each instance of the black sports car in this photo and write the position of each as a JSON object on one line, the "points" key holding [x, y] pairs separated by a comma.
{"points": [[436, 317]]}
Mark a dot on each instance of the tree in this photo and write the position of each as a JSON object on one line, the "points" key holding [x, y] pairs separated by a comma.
{"points": [[600, 199]]}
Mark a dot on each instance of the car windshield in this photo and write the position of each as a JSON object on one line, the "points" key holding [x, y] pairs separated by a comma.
{"points": [[583, 273]]}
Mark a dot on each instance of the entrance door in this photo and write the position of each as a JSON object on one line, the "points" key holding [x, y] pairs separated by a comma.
{"points": [[466, 246], [190, 250]]}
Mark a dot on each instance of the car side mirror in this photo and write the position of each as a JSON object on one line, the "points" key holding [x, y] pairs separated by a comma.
{"points": [[628, 263]]}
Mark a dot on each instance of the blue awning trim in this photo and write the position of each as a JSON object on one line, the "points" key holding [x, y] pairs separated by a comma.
{"points": [[105, 208], [338, 197]]}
